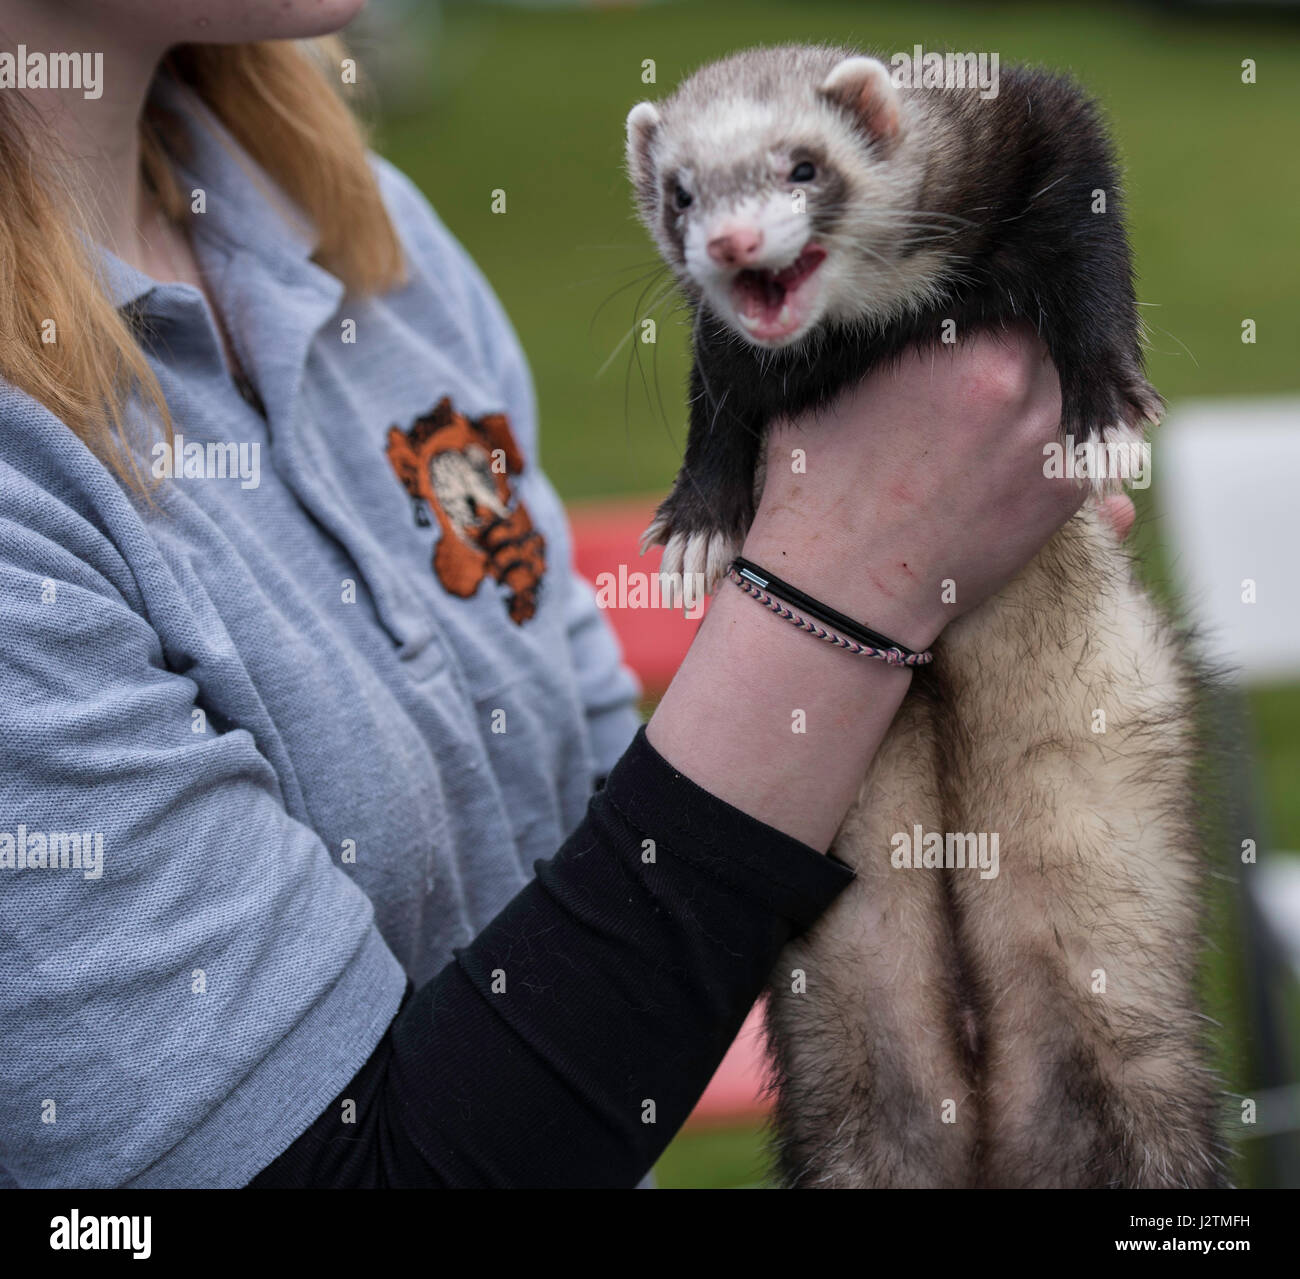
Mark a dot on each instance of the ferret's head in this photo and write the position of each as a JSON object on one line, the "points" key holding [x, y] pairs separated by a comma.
{"points": [[778, 184]]}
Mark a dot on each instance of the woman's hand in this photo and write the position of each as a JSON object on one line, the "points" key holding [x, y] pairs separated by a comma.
{"points": [[930, 471], [1120, 514]]}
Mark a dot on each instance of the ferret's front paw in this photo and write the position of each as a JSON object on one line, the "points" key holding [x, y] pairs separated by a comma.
{"points": [[1144, 406], [659, 531], [1121, 453], [696, 563], [698, 545]]}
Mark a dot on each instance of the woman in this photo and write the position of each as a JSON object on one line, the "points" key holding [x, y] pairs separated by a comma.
{"points": [[291, 643]]}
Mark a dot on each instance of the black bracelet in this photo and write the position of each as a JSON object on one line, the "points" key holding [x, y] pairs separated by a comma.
{"points": [[871, 643]]}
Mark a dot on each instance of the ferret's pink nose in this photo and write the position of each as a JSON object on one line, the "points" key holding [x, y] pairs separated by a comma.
{"points": [[736, 246]]}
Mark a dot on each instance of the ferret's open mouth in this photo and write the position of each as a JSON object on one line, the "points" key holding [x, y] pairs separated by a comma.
{"points": [[775, 304]]}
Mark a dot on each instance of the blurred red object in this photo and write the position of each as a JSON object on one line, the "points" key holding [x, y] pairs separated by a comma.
{"points": [[606, 538], [736, 1092]]}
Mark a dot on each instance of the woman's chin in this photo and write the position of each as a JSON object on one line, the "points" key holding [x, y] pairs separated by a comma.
{"points": [[235, 21]]}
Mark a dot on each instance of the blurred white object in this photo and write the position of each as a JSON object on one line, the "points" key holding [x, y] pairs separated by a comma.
{"points": [[1228, 476], [1278, 892]]}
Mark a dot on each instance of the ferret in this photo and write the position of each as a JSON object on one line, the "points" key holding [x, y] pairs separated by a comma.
{"points": [[943, 1026]]}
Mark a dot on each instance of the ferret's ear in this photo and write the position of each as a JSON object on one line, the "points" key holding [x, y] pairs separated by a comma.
{"points": [[864, 88], [642, 124]]}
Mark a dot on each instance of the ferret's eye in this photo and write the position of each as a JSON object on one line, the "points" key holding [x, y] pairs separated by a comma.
{"points": [[681, 196], [803, 172]]}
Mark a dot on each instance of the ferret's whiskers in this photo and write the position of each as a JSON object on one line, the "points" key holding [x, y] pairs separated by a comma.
{"points": [[638, 317], [652, 276], [649, 284]]}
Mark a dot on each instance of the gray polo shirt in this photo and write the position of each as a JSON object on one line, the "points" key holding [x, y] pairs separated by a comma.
{"points": [[287, 738]]}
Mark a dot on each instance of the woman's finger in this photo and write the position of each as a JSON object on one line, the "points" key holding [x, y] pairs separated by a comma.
{"points": [[1119, 510]]}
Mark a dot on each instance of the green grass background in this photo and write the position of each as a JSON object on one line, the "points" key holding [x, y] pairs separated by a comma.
{"points": [[532, 101]]}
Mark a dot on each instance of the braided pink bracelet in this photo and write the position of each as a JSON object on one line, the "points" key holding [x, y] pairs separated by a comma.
{"points": [[894, 656]]}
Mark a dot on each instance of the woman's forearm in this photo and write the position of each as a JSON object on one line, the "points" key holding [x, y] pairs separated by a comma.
{"points": [[773, 720]]}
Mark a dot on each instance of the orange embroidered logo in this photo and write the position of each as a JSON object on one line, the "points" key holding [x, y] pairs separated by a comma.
{"points": [[461, 468]]}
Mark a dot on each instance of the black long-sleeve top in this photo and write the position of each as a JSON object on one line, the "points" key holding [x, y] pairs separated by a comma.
{"points": [[567, 1044]]}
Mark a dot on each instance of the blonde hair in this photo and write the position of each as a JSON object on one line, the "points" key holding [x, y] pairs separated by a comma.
{"points": [[277, 100]]}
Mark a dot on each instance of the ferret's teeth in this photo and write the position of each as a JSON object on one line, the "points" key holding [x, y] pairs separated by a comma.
{"points": [[784, 317], [750, 321]]}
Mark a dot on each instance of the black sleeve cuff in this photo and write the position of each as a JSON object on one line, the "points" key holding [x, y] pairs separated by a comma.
{"points": [[780, 872]]}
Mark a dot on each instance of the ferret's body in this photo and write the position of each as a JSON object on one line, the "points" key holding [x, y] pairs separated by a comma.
{"points": [[1038, 1027], [1051, 1008]]}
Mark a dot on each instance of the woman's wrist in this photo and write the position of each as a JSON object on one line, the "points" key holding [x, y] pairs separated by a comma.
{"points": [[857, 577], [773, 721]]}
